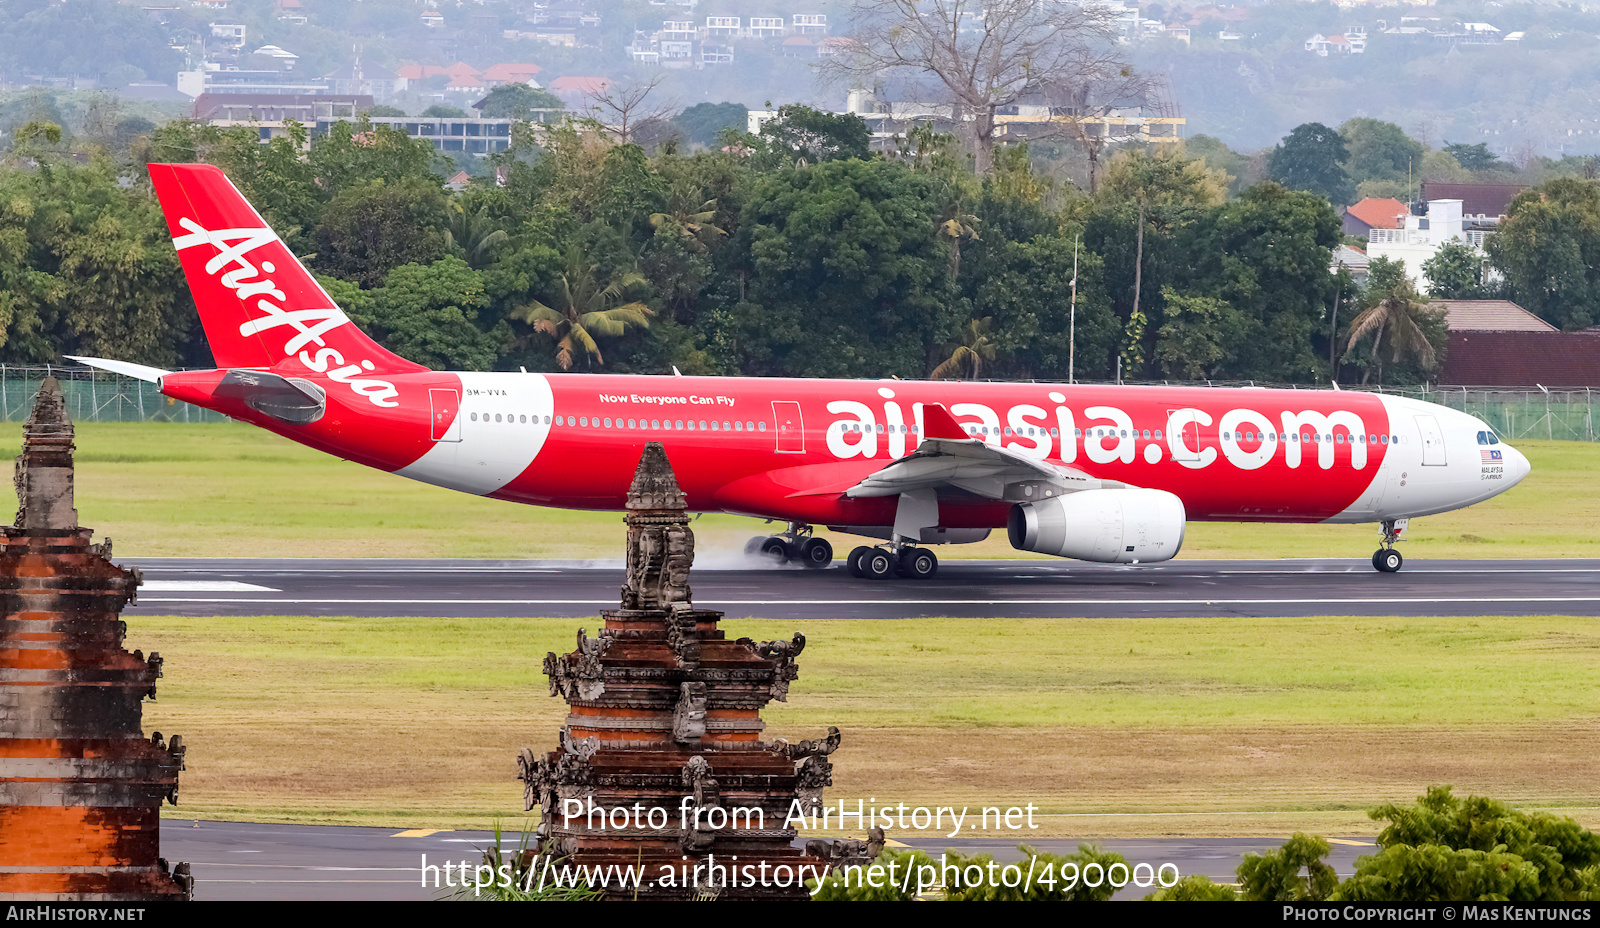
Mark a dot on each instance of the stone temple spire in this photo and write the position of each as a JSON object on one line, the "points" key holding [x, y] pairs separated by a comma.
{"points": [[44, 469], [80, 785]]}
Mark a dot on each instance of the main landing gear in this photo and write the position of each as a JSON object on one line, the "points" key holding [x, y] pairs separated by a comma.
{"points": [[797, 544], [1386, 558], [882, 562]]}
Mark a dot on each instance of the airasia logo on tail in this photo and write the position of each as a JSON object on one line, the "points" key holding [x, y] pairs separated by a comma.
{"points": [[308, 325]]}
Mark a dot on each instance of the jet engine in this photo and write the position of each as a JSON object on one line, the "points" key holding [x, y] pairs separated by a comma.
{"points": [[1111, 526]]}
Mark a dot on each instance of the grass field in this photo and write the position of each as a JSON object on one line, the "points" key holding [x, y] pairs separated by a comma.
{"points": [[1156, 727], [234, 490]]}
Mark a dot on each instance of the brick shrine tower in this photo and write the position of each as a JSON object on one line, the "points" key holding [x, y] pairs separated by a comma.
{"points": [[662, 751], [80, 786]]}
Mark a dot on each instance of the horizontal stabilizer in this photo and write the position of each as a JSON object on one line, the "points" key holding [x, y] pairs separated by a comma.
{"points": [[125, 368], [288, 399]]}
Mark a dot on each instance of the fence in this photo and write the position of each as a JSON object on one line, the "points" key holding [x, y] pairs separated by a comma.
{"points": [[95, 396], [98, 396]]}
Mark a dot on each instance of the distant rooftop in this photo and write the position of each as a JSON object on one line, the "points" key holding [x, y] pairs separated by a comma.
{"points": [[1490, 316]]}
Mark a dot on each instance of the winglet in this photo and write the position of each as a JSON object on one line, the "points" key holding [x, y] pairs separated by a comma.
{"points": [[938, 423]]}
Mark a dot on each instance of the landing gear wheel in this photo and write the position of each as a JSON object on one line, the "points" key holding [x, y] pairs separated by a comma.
{"points": [[918, 563], [854, 563], [816, 553], [877, 564], [775, 549], [1388, 560], [753, 546]]}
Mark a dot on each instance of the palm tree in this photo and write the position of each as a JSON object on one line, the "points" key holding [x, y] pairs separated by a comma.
{"points": [[585, 310], [475, 234], [975, 348], [1391, 317], [691, 222]]}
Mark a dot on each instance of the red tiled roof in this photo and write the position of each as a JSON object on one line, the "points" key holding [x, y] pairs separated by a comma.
{"points": [[1522, 359], [577, 84], [1379, 213], [511, 72]]}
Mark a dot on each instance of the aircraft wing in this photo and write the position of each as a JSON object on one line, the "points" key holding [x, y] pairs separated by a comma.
{"points": [[950, 459]]}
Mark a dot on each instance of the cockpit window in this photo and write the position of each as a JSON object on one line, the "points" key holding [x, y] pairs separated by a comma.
{"points": [[1494, 439], [1483, 438]]}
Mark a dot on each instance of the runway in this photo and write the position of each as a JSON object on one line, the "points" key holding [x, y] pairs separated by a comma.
{"points": [[998, 589]]}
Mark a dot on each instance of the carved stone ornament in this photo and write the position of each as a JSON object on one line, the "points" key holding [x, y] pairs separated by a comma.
{"points": [[822, 746], [578, 675], [695, 834], [781, 654], [689, 718], [812, 775], [848, 852]]}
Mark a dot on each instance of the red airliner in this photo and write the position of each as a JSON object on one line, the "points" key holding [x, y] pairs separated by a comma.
{"points": [[1100, 473]]}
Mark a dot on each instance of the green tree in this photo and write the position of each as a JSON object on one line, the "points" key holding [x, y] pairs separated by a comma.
{"points": [[430, 314], [1295, 872], [475, 235], [1548, 249], [517, 101], [845, 277], [1396, 317], [443, 111], [1266, 254], [1455, 272], [1312, 157], [1447, 849], [801, 133], [1475, 157], [1196, 887], [367, 230], [701, 123], [584, 310], [966, 361], [1199, 337], [87, 267], [1380, 151], [360, 153]]}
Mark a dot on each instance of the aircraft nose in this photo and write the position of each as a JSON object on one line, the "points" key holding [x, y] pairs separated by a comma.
{"points": [[1516, 464]]}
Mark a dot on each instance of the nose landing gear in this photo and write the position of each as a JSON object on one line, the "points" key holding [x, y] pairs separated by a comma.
{"points": [[797, 544], [1386, 558]]}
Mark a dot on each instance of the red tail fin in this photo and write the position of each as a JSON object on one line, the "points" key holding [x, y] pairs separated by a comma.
{"points": [[258, 305]]}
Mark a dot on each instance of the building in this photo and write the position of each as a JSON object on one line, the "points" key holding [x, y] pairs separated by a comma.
{"points": [[1482, 205], [268, 113], [1375, 213], [1496, 343], [1422, 237]]}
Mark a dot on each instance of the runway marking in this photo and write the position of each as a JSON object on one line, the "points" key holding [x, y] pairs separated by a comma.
{"points": [[418, 832], [1351, 843], [990, 601], [204, 586]]}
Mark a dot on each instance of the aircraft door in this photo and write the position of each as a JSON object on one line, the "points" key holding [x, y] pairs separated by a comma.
{"points": [[791, 430], [1432, 441], [1189, 430], [445, 422]]}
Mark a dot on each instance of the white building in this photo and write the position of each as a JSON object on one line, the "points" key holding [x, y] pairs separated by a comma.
{"points": [[1422, 238]]}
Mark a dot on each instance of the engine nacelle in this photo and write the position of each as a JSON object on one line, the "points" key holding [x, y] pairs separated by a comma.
{"points": [[1111, 526]]}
